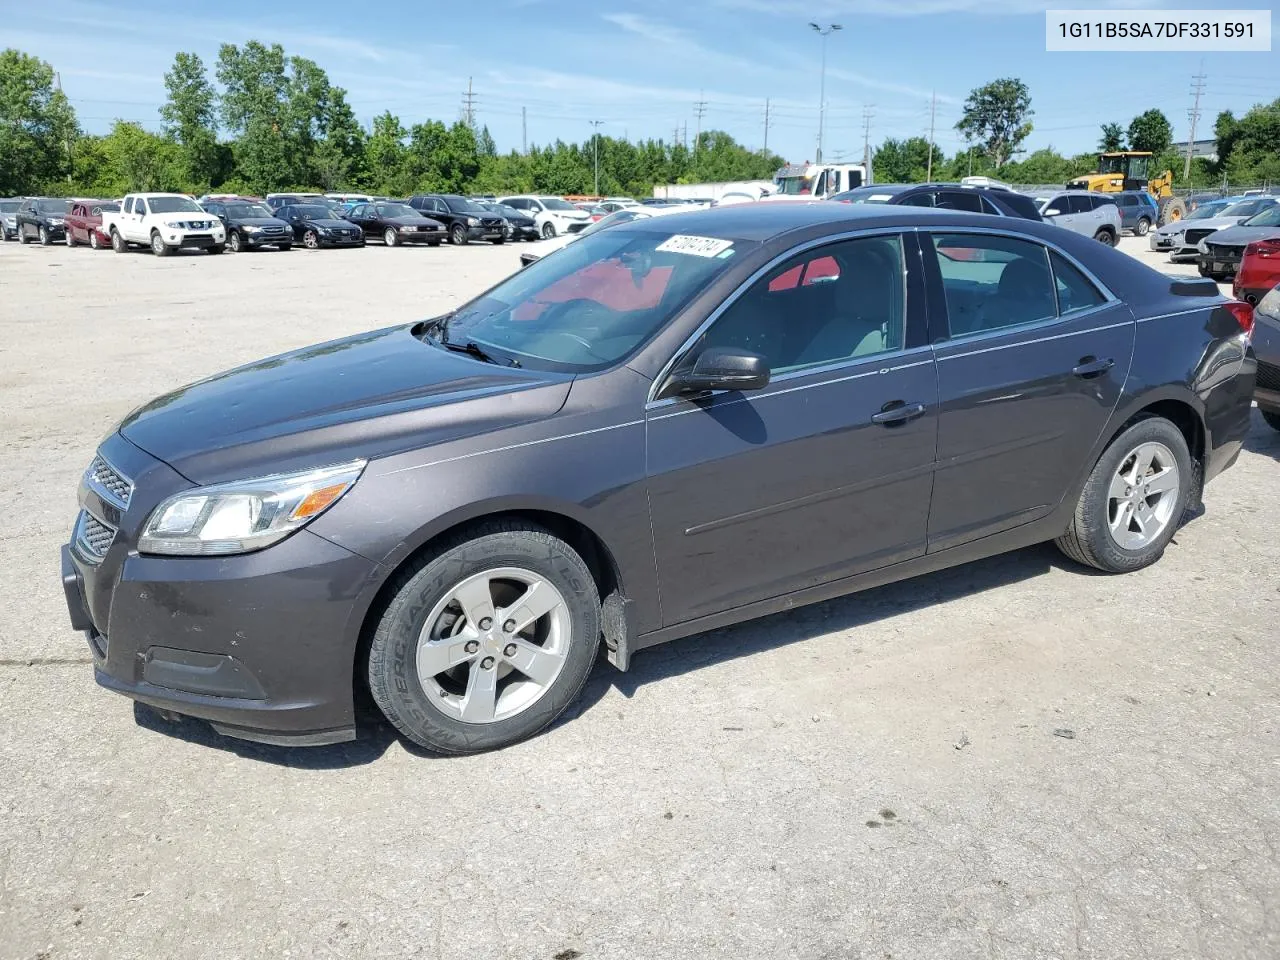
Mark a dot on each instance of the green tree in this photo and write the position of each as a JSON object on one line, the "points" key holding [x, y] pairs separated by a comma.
{"points": [[190, 118], [1112, 138], [339, 159], [255, 89], [1042, 167], [386, 156], [903, 161], [1150, 131], [1226, 129], [139, 160], [996, 115], [37, 126]]}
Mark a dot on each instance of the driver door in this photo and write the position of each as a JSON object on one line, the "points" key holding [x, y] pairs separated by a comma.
{"points": [[824, 473]]}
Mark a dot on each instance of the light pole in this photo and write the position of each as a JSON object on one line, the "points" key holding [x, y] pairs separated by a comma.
{"points": [[595, 149], [823, 32]]}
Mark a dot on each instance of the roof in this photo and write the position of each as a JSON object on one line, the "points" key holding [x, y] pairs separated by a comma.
{"points": [[761, 221]]}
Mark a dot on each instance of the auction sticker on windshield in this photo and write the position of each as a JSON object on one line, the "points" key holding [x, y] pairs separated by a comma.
{"points": [[694, 246]]}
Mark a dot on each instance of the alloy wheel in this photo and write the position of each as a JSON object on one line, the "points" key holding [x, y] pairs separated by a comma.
{"points": [[311, 239], [494, 645], [233, 242], [1142, 496]]}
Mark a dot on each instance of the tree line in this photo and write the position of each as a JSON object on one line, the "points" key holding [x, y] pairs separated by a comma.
{"points": [[262, 121]]}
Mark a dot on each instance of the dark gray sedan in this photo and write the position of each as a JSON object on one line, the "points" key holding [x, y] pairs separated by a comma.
{"points": [[1221, 251], [669, 426]]}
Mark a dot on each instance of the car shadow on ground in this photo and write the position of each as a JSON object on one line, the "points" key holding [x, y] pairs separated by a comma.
{"points": [[1262, 439]]}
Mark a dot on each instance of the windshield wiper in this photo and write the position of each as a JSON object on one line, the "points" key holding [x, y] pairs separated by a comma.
{"points": [[474, 349]]}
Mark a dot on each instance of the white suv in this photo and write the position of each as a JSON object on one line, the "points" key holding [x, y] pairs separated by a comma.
{"points": [[165, 222], [552, 215]]}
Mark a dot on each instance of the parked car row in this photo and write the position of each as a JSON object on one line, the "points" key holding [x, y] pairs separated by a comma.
{"points": [[1219, 236]]}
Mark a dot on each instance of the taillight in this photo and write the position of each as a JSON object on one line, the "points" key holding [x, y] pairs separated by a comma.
{"points": [[1263, 248], [1243, 312]]}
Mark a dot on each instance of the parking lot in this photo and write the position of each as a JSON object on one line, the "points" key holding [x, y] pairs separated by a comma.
{"points": [[1014, 759]]}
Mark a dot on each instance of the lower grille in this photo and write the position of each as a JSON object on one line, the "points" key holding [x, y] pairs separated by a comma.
{"points": [[1195, 236], [92, 537], [1220, 252], [1268, 376]]}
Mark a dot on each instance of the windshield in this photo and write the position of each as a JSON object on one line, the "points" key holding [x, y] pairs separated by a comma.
{"points": [[612, 220], [313, 211], [248, 211], [107, 208], [1269, 217], [1206, 210], [594, 301], [53, 206], [795, 186], [172, 205], [462, 205], [1243, 208], [555, 203]]}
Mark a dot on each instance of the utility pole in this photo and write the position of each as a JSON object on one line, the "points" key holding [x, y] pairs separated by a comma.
{"points": [[699, 109], [867, 114], [595, 137], [57, 82], [766, 125], [684, 135], [524, 130], [933, 115], [823, 32], [469, 105], [1197, 88]]}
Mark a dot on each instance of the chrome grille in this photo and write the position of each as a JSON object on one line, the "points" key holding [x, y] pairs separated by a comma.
{"points": [[107, 481], [92, 536]]}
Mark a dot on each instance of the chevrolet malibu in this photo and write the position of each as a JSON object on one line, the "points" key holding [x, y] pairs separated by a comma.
{"points": [[669, 426]]}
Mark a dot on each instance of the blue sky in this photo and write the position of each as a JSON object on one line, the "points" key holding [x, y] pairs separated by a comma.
{"points": [[641, 65]]}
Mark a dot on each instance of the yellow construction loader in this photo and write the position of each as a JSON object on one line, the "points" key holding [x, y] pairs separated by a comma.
{"points": [[1128, 170]]}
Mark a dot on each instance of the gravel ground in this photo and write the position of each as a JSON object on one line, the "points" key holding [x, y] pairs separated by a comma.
{"points": [[1013, 759]]}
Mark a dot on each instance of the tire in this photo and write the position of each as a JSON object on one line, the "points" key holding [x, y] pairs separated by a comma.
{"points": [[118, 242], [1272, 417], [1090, 539], [458, 235], [1143, 227], [22, 236], [1105, 236], [67, 238], [217, 248], [499, 241], [94, 242], [548, 230], [391, 238], [1171, 210], [433, 243], [158, 246], [234, 242], [284, 247], [44, 237], [311, 240], [423, 593]]}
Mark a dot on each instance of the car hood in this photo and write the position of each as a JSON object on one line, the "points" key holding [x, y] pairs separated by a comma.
{"points": [[330, 223], [411, 221], [366, 396], [259, 222], [1212, 223], [1240, 236], [571, 214]]}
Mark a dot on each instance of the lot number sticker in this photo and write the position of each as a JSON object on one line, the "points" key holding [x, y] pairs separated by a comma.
{"points": [[695, 246]]}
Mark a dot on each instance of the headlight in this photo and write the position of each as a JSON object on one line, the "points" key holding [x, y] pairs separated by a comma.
{"points": [[1202, 247], [55, 221], [472, 222], [244, 515], [249, 228], [406, 229]]}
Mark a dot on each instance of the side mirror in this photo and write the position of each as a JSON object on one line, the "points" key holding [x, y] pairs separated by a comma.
{"points": [[1053, 212], [721, 368]]}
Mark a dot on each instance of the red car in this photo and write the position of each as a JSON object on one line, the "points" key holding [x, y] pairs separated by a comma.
{"points": [[1259, 271], [84, 223]]}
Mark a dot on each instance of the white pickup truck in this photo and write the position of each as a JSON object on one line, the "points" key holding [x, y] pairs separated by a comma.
{"points": [[165, 222]]}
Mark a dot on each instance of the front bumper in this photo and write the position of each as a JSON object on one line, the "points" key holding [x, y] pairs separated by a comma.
{"points": [[261, 644], [266, 240], [196, 240], [423, 236], [332, 241], [486, 233], [1222, 263], [56, 231]]}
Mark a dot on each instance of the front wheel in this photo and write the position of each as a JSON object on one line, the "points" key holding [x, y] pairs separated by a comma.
{"points": [[44, 237], [548, 231], [22, 236], [433, 243], [311, 240], [488, 642], [284, 246], [217, 248], [1143, 227], [458, 235], [391, 238], [159, 247], [499, 241], [234, 242], [1134, 499]]}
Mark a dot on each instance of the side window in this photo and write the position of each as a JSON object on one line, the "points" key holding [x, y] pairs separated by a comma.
{"points": [[838, 302], [959, 200], [820, 188], [994, 282], [128, 205], [360, 210], [1076, 203], [1076, 292], [833, 184], [919, 200], [1129, 200]]}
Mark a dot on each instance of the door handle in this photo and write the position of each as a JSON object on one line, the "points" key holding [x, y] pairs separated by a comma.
{"points": [[1092, 367], [897, 411]]}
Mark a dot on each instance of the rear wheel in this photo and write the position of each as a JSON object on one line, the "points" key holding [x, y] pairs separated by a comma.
{"points": [[391, 238], [117, 241], [1272, 417], [68, 238], [1134, 499], [1105, 235], [458, 235], [95, 243], [486, 643], [1143, 227]]}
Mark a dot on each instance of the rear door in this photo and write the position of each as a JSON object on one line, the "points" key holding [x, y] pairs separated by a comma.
{"points": [[824, 473], [1031, 361]]}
